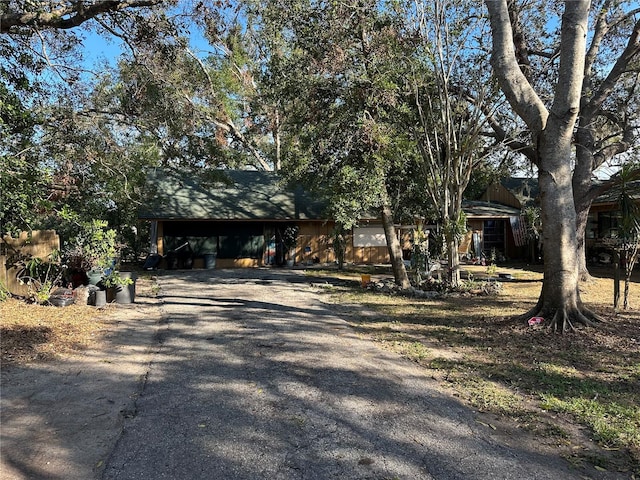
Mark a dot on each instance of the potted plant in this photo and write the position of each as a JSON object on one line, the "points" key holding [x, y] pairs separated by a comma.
{"points": [[290, 240], [120, 286], [92, 250]]}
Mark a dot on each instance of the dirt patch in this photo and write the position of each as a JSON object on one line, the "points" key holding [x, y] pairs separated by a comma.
{"points": [[70, 377], [35, 332]]}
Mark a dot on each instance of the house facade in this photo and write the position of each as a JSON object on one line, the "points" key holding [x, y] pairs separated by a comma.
{"points": [[495, 230], [239, 218]]}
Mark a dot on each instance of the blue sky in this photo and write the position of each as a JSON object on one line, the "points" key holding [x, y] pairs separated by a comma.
{"points": [[97, 48]]}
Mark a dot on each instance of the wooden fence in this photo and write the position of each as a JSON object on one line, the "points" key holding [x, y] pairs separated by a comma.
{"points": [[38, 243]]}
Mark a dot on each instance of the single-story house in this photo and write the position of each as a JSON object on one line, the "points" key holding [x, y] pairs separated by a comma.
{"points": [[495, 216], [495, 221], [237, 218]]}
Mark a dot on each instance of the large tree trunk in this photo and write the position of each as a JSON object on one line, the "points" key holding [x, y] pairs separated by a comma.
{"points": [[552, 130], [395, 250], [559, 301]]}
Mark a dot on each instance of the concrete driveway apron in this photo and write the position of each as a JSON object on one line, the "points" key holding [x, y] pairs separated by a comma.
{"points": [[258, 378]]}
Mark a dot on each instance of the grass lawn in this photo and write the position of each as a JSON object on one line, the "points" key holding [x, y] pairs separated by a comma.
{"points": [[558, 387]]}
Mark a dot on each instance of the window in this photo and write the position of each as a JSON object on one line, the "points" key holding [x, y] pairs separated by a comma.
{"points": [[493, 235], [369, 237]]}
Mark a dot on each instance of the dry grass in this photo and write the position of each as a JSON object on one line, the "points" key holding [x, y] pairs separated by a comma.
{"points": [[543, 382], [34, 332], [31, 333]]}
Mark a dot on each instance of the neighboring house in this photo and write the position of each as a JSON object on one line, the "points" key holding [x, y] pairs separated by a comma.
{"points": [[236, 218], [495, 222], [604, 220], [496, 218], [497, 229], [517, 192]]}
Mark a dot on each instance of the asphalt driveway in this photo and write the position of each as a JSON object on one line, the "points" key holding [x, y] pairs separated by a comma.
{"points": [[255, 377]]}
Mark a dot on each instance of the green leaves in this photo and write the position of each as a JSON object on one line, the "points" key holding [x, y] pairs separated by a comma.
{"points": [[24, 186], [336, 75]]}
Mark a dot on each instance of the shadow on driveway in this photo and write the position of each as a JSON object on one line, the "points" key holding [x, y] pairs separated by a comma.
{"points": [[257, 378]]}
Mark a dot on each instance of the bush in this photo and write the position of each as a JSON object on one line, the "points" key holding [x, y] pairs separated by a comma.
{"points": [[480, 287], [115, 280], [4, 293], [93, 248], [40, 275]]}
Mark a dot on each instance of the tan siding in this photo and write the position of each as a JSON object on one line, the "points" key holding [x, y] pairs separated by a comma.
{"points": [[499, 194], [238, 263], [160, 239], [368, 255], [317, 237]]}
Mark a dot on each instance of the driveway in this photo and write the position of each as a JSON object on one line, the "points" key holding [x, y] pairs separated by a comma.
{"points": [[256, 377]]}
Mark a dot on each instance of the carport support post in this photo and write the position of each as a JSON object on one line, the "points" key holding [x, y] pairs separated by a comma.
{"points": [[153, 237]]}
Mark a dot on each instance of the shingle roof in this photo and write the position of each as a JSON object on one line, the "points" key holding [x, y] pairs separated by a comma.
{"points": [[229, 195], [612, 195]]}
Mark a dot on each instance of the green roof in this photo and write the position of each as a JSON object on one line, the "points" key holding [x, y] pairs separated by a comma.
{"points": [[227, 195]]}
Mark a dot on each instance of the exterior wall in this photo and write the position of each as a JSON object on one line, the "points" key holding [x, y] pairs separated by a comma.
{"points": [[238, 263], [315, 246], [366, 255], [508, 247], [314, 242], [597, 229], [499, 194]]}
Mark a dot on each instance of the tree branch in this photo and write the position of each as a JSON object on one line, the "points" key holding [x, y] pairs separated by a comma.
{"points": [[573, 34], [519, 92], [67, 15], [519, 40], [600, 30], [619, 68], [227, 125]]}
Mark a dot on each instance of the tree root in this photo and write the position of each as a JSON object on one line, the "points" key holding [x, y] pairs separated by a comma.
{"points": [[563, 320], [586, 277]]}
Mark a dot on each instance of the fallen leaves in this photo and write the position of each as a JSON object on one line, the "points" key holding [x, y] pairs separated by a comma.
{"points": [[30, 332]]}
